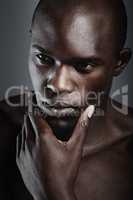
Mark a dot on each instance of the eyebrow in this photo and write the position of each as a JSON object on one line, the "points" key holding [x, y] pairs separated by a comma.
{"points": [[85, 61], [43, 50], [73, 60]]}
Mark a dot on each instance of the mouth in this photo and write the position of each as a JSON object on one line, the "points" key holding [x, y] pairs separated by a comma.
{"points": [[60, 111], [63, 112]]}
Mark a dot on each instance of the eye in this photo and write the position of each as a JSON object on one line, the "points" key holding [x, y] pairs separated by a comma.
{"points": [[85, 68], [45, 59]]}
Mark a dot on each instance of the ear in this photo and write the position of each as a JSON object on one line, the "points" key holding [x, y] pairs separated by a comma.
{"points": [[124, 58]]}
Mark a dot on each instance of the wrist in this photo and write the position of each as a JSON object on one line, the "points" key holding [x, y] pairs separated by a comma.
{"points": [[62, 194]]}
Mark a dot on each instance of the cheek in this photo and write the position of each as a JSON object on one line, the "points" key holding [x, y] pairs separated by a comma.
{"points": [[38, 77], [96, 84], [98, 80]]}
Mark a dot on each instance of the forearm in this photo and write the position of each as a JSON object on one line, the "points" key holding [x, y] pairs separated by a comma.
{"points": [[56, 197], [60, 196], [54, 194]]}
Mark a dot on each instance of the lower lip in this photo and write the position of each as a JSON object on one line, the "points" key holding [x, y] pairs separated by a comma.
{"points": [[62, 112]]}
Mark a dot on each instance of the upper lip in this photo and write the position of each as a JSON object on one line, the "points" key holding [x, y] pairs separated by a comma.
{"points": [[63, 106]]}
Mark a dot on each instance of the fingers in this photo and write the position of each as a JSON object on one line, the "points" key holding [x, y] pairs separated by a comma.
{"points": [[44, 130], [43, 127], [82, 126]]}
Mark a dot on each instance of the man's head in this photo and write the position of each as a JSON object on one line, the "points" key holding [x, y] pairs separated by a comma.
{"points": [[115, 9], [76, 49]]}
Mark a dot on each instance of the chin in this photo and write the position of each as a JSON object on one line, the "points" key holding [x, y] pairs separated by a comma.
{"points": [[62, 127]]}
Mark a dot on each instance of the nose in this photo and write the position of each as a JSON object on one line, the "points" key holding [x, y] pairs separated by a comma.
{"points": [[61, 82]]}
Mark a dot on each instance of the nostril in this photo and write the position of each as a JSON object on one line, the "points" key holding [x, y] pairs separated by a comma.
{"points": [[50, 92]]}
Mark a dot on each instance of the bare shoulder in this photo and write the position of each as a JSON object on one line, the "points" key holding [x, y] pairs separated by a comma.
{"points": [[122, 116]]}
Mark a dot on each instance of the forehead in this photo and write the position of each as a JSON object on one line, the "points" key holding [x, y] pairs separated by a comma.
{"points": [[79, 32]]}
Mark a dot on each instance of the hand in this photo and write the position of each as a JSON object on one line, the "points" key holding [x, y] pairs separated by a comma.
{"points": [[57, 163]]}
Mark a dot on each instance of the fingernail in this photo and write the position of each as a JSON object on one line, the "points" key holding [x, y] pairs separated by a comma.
{"points": [[91, 110]]}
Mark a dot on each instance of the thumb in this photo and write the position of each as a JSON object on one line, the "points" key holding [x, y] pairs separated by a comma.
{"points": [[44, 130], [82, 126]]}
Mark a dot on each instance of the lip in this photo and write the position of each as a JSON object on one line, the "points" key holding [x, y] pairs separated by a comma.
{"points": [[64, 111], [61, 112], [62, 106]]}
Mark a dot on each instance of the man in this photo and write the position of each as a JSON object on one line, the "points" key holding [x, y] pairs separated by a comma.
{"points": [[64, 150]]}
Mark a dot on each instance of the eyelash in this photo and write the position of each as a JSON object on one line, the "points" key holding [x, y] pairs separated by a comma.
{"points": [[45, 59], [83, 68]]}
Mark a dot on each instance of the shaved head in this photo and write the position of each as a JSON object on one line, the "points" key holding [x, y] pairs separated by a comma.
{"points": [[111, 12], [76, 47]]}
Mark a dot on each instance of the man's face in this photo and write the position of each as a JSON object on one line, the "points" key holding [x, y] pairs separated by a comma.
{"points": [[72, 58]]}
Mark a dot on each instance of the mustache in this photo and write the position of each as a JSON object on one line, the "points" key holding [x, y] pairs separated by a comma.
{"points": [[62, 104]]}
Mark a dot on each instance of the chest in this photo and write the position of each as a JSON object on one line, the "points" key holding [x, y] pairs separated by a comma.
{"points": [[105, 176]]}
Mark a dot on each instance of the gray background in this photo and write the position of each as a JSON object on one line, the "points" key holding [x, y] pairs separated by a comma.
{"points": [[15, 19]]}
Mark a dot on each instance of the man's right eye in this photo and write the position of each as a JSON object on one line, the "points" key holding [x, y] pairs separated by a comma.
{"points": [[45, 59]]}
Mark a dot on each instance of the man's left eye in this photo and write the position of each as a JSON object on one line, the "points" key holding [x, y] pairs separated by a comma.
{"points": [[45, 59], [89, 67], [85, 68]]}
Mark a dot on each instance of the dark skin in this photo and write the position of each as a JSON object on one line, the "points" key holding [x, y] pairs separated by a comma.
{"points": [[90, 163], [64, 42]]}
